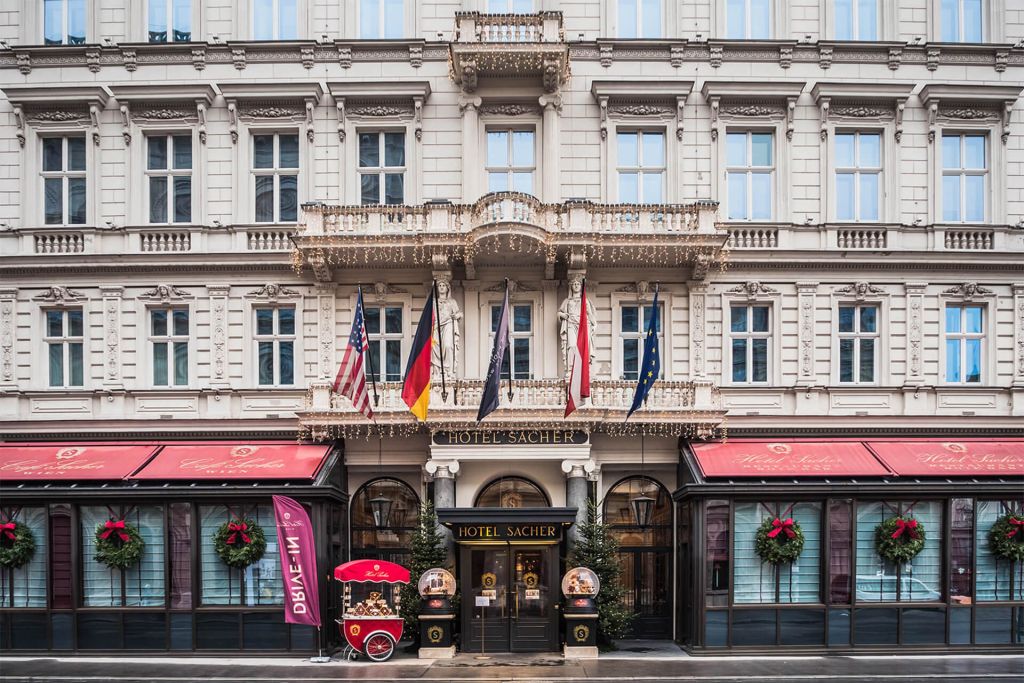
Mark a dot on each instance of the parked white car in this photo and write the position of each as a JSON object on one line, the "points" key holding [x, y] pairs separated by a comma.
{"points": [[882, 588]]}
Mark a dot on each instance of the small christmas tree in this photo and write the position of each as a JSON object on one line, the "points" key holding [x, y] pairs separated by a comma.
{"points": [[428, 551], [598, 550]]}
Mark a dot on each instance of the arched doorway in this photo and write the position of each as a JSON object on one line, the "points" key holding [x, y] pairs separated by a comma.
{"points": [[391, 541], [512, 492], [645, 554]]}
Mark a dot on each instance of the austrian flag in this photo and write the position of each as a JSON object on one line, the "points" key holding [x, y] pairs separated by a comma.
{"points": [[579, 375]]}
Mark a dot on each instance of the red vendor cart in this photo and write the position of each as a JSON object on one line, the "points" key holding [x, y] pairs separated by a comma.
{"points": [[372, 626]]}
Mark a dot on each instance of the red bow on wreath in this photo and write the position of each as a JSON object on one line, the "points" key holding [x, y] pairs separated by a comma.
{"points": [[238, 530], [782, 526], [118, 526], [1019, 523], [9, 527], [908, 526]]}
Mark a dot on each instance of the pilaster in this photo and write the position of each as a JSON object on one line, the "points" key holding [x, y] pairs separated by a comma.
{"points": [[470, 108], [219, 376], [111, 296], [1017, 388], [326, 297], [552, 106], [698, 327]]}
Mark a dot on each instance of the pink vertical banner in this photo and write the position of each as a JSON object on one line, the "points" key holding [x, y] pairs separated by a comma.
{"points": [[298, 562]]}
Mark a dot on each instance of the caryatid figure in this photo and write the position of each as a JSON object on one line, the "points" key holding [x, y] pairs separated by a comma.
{"points": [[569, 321], [448, 339]]}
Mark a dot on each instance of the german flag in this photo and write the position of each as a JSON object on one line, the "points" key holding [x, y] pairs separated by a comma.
{"points": [[416, 385]]}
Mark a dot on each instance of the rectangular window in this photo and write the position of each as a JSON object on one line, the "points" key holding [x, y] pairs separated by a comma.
{"points": [[509, 6], [63, 337], [717, 554], [64, 180], [755, 581], [510, 161], [382, 167], [259, 583], [521, 339], [962, 21], [64, 22], [879, 580], [965, 340], [634, 332], [275, 164], [748, 19], [995, 578], [381, 19], [275, 345], [858, 172], [384, 331], [25, 586], [169, 334], [750, 333], [858, 344], [170, 21], [640, 19], [641, 167], [141, 585], [964, 177], [750, 165], [169, 170], [275, 19], [856, 19]]}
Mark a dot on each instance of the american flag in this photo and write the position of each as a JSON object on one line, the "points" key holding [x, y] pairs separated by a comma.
{"points": [[351, 379]]}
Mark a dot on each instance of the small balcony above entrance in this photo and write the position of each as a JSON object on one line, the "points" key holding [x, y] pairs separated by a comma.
{"points": [[509, 45]]}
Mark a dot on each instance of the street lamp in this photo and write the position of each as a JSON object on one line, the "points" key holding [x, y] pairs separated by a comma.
{"points": [[381, 508], [643, 507]]}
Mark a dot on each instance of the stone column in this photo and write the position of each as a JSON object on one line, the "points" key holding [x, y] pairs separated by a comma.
{"points": [[443, 473], [472, 169], [551, 191], [576, 472]]}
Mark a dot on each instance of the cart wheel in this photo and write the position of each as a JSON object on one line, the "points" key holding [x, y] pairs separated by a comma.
{"points": [[379, 647]]}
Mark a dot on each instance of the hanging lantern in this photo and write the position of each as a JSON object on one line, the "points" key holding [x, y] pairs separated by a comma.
{"points": [[643, 508], [381, 508]]}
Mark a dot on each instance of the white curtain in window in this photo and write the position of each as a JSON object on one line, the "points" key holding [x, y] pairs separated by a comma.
{"points": [[921, 578], [26, 585], [993, 575], [143, 583], [260, 583], [754, 580]]}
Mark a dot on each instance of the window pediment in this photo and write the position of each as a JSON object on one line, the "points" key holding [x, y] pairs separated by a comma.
{"points": [[400, 101], [750, 101], [641, 101], [57, 107], [960, 104]]}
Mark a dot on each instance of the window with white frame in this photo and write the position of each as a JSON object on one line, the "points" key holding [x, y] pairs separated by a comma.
{"points": [[169, 335], [965, 340], [381, 19], [641, 166], [964, 177], [169, 170], [750, 333], [64, 341], [858, 174], [635, 319], [64, 192], [384, 331], [169, 21], [275, 168], [64, 22], [962, 21], [275, 19], [640, 18], [750, 167], [858, 343], [382, 167], [856, 19], [748, 19], [510, 6], [275, 344], [520, 331], [510, 160]]}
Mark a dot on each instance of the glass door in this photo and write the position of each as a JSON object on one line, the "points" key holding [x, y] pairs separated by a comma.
{"points": [[534, 617], [485, 606]]}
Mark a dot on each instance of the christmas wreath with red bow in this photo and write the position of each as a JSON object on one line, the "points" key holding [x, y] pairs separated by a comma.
{"points": [[899, 539], [17, 544], [240, 542], [118, 544], [779, 541], [1006, 537]]}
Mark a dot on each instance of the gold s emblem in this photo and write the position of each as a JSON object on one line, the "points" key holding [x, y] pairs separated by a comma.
{"points": [[779, 448], [530, 579], [354, 629], [581, 633], [489, 580], [434, 634], [68, 453], [243, 451], [955, 447]]}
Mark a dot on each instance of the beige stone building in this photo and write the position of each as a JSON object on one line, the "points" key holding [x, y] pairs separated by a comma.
{"points": [[828, 197]]}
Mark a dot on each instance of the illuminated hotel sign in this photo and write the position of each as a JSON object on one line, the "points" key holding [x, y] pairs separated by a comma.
{"points": [[507, 532], [513, 437]]}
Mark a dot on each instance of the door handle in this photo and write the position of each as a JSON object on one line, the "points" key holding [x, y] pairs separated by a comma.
{"points": [[516, 594]]}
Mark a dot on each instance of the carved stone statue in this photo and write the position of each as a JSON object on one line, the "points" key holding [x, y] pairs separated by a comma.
{"points": [[448, 334], [569, 321]]}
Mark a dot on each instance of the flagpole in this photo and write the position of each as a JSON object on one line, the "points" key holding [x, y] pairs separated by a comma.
{"points": [[508, 349], [369, 356], [440, 342]]}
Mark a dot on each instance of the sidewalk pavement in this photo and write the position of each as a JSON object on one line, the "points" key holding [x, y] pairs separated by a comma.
{"points": [[623, 665]]}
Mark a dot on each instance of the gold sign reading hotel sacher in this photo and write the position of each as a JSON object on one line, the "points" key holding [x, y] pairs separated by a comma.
{"points": [[512, 437], [503, 532]]}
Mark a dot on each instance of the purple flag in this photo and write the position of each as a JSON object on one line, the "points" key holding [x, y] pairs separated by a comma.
{"points": [[298, 562]]}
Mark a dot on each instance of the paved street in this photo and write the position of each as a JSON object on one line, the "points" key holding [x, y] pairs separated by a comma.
{"points": [[620, 666]]}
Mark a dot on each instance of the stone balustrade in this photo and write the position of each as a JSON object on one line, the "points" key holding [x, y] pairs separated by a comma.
{"points": [[541, 27]]}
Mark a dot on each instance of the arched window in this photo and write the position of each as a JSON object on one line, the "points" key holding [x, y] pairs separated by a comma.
{"points": [[512, 492], [645, 554], [392, 540]]}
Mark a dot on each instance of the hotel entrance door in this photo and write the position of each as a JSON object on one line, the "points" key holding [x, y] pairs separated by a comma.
{"points": [[509, 598]]}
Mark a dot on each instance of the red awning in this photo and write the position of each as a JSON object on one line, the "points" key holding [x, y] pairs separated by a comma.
{"points": [[759, 459], [219, 460], [950, 458], [67, 461], [371, 571]]}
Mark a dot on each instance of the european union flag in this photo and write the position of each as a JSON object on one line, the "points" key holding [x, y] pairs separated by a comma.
{"points": [[650, 367]]}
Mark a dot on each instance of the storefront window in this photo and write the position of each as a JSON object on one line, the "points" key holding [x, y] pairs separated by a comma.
{"points": [[717, 553], [257, 584], [391, 540], [139, 586], [26, 585], [998, 579], [840, 552], [961, 549], [879, 580], [181, 555], [761, 582], [512, 492]]}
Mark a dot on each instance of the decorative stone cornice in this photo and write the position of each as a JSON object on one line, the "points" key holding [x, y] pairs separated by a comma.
{"points": [[59, 294], [969, 103], [272, 292], [877, 101], [56, 106], [746, 99], [752, 289], [967, 291], [859, 290], [402, 100], [164, 293], [289, 100], [627, 100], [509, 109]]}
